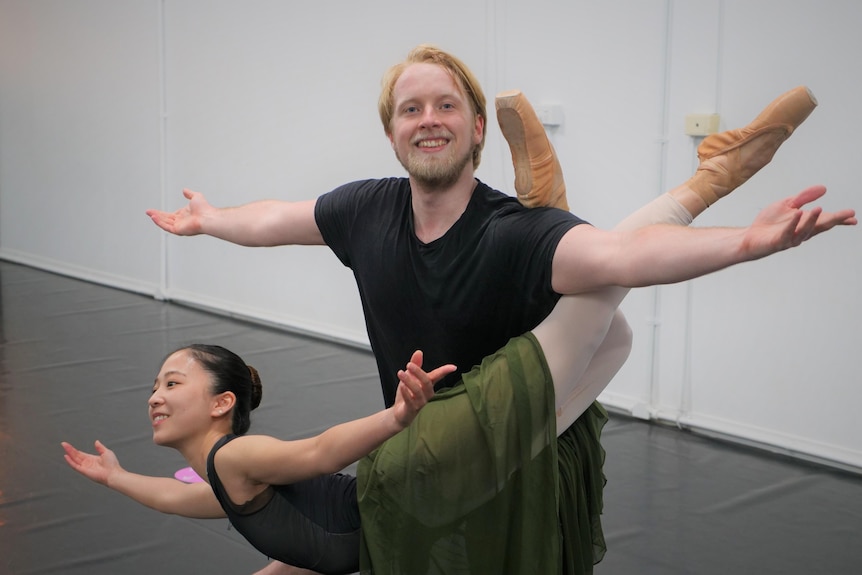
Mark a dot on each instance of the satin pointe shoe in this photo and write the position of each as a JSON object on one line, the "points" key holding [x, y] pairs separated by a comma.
{"points": [[538, 175], [729, 159]]}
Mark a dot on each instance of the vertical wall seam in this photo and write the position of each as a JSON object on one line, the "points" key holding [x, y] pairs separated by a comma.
{"points": [[719, 59], [497, 13], [163, 150], [685, 405], [655, 352]]}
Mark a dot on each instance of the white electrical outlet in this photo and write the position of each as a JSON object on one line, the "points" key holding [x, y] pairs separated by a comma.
{"points": [[701, 124], [550, 114]]}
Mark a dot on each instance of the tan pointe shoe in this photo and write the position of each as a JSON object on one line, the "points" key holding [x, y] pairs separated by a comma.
{"points": [[538, 175], [729, 159]]}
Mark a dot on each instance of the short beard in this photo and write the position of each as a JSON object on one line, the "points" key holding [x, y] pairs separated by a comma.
{"points": [[435, 175]]}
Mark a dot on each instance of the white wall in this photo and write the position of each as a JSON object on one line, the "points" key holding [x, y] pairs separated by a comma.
{"points": [[79, 137], [110, 107]]}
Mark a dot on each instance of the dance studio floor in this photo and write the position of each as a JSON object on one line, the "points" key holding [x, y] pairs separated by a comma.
{"points": [[77, 361]]}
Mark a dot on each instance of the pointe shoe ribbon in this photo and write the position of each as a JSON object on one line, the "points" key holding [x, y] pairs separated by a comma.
{"points": [[538, 175], [729, 159]]}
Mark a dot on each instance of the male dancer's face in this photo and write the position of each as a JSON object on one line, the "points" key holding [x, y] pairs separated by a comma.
{"points": [[434, 129]]}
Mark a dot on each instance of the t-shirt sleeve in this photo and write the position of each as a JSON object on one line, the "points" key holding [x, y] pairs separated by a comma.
{"points": [[531, 240], [335, 212], [349, 217]]}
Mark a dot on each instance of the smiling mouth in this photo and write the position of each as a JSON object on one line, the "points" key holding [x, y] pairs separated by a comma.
{"points": [[432, 143], [159, 418]]}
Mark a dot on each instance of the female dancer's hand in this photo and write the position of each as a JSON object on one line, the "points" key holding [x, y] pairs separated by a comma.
{"points": [[96, 467], [416, 387]]}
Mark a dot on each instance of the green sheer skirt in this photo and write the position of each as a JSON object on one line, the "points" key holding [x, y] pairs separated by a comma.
{"points": [[480, 483]]}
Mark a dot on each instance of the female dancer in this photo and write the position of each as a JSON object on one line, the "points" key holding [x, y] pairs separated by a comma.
{"points": [[285, 497]]}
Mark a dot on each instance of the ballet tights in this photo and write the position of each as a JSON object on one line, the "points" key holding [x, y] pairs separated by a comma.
{"points": [[586, 339]]}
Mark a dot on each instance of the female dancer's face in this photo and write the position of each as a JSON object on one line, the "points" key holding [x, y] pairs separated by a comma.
{"points": [[182, 403]]}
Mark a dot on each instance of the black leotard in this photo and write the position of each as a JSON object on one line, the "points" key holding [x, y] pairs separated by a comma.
{"points": [[312, 524]]}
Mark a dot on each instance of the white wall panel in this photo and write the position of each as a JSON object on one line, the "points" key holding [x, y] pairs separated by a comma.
{"points": [[79, 137], [772, 342]]}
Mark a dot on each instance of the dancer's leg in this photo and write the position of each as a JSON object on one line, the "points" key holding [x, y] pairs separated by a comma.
{"points": [[610, 356], [585, 339], [593, 340]]}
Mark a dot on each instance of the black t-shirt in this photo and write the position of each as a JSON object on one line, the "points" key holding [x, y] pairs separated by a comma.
{"points": [[458, 298]]}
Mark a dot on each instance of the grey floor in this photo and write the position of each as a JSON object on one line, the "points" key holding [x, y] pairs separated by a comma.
{"points": [[77, 362]]}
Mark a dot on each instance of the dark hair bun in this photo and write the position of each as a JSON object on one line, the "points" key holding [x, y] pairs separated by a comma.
{"points": [[256, 387]]}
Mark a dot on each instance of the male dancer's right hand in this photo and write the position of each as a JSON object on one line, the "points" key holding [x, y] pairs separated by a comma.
{"points": [[186, 221]]}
